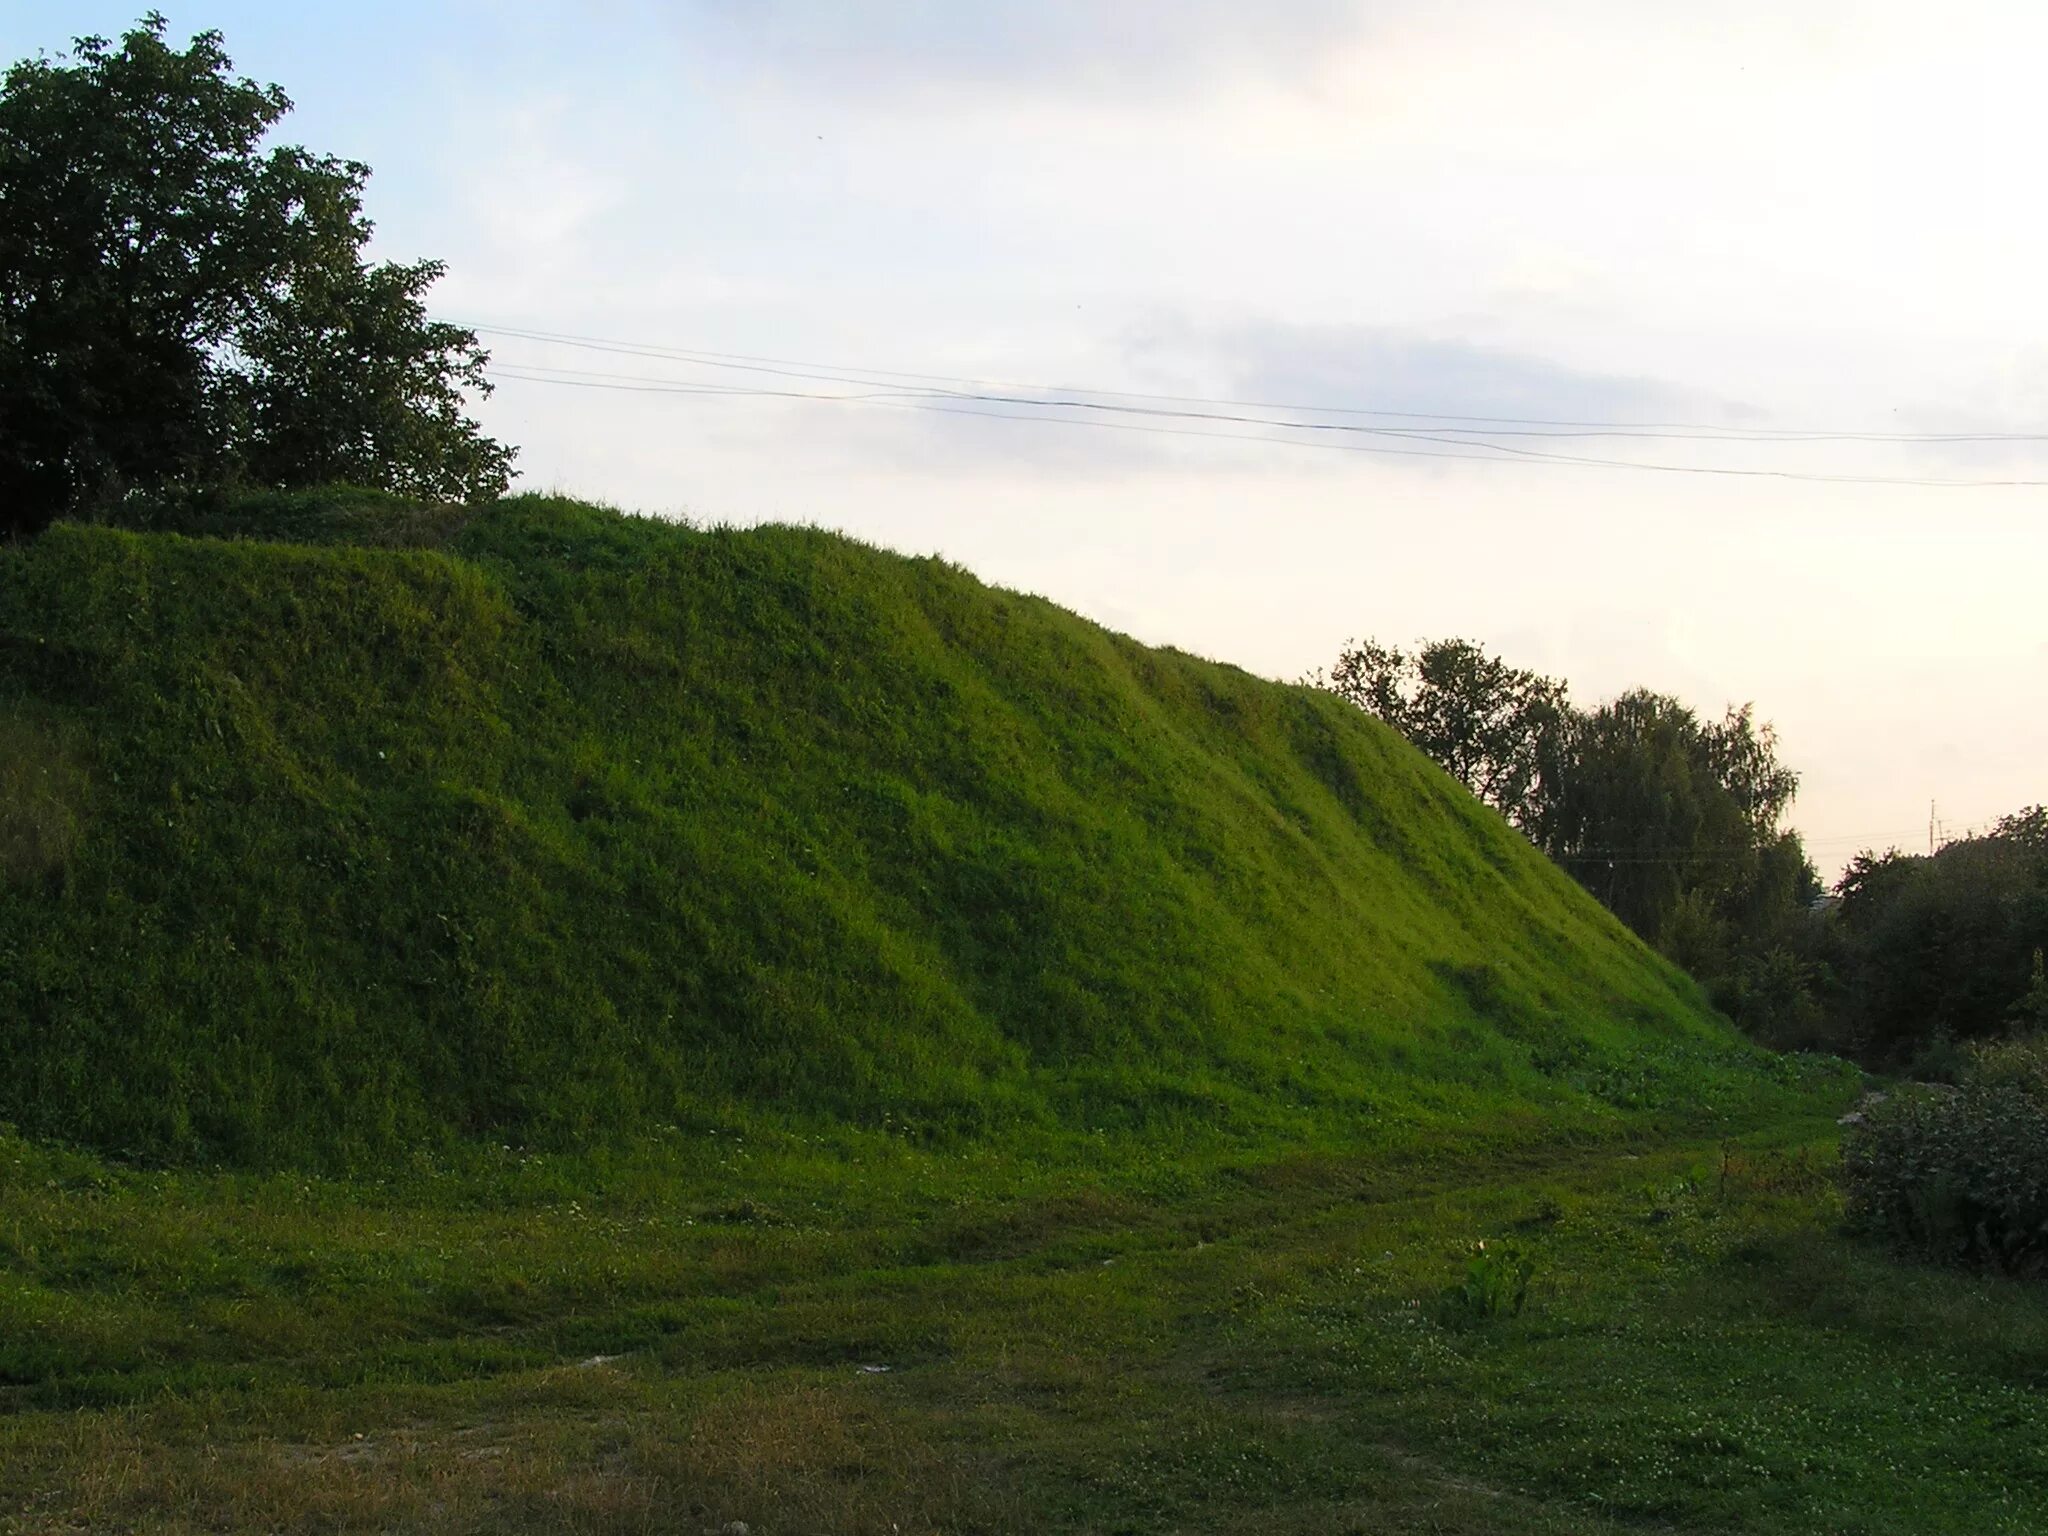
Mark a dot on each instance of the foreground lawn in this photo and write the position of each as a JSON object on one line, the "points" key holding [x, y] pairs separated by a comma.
{"points": [[869, 1337]]}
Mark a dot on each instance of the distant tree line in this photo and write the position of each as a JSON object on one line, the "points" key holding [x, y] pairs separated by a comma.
{"points": [[185, 304], [1677, 824], [1937, 951]]}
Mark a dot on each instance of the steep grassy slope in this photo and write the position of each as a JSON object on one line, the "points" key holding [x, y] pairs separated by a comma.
{"points": [[573, 824]]}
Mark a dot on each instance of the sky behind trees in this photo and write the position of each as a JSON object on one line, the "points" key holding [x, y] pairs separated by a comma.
{"points": [[1606, 212]]}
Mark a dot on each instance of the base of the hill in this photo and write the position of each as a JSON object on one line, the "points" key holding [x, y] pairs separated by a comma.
{"points": [[894, 1342]]}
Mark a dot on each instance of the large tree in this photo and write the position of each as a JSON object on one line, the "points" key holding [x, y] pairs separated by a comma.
{"points": [[182, 301], [1493, 727], [1655, 805], [1674, 822], [1949, 944]]}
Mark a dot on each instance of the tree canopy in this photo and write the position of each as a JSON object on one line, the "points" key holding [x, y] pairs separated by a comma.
{"points": [[1657, 803], [183, 302], [1949, 945], [1493, 727], [1672, 821]]}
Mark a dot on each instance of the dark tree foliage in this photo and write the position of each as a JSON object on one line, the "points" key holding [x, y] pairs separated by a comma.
{"points": [[2024, 829], [1947, 947], [1959, 1175], [182, 303], [1673, 822], [1493, 727], [1655, 804]]}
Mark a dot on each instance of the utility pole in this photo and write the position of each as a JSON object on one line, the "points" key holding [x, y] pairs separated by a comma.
{"points": [[1930, 829]]}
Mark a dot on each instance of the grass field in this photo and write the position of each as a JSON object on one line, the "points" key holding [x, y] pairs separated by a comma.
{"points": [[867, 1337]]}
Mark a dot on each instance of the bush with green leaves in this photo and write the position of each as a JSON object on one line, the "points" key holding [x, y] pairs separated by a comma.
{"points": [[1960, 1173]]}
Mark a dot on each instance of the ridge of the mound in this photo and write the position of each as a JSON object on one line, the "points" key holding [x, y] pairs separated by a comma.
{"points": [[566, 825]]}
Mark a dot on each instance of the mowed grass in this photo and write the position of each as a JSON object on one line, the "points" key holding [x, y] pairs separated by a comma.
{"points": [[869, 1337]]}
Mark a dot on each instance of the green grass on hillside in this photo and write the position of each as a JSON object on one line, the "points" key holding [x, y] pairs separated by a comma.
{"points": [[560, 825]]}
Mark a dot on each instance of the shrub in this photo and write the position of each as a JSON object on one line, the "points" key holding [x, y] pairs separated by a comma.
{"points": [[1775, 996], [1960, 1173]]}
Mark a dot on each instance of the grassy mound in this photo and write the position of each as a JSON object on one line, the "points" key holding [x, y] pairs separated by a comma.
{"points": [[549, 825]]}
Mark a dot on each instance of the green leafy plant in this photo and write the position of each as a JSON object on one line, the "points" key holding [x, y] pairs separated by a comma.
{"points": [[1959, 1173], [1496, 1282]]}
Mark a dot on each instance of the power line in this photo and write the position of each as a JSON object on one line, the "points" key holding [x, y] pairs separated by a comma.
{"points": [[922, 404], [1821, 842], [1032, 409], [931, 401], [1047, 394]]}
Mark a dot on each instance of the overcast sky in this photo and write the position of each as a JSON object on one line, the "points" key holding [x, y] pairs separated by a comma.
{"points": [[1750, 217]]}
